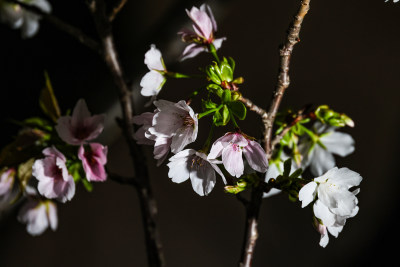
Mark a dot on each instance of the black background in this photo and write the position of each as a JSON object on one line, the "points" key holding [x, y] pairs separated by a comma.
{"points": [[348, 58]]}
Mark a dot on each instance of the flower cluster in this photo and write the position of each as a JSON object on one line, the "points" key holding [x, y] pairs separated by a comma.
{"points": [[19, 18], [65, 156]]}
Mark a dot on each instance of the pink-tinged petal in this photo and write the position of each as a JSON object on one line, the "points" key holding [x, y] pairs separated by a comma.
{"points": [[63, 129], [145, 118], [53, 152], [34, 214], [192, 50], [235, 138], [216, 150], [202, 23], [161, 149], [52, 215], [210, 15], [7, 182], [256, 156], [182, 138], [93, 161], [218, 42], [94, 126], [323, 242], [152, 83], [79, 114], [307, 193], [153, 59], [232, 160]]}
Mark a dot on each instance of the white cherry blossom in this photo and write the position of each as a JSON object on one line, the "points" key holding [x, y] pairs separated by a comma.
{"points": [[193, 164], [38, 216], [319, 155], [153, 81]]}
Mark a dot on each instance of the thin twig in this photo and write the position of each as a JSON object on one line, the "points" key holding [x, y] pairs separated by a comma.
{"points": [[118, 7], [253, 209], [283, 76], [147, 202], [63, 26], [123, 180], [253, 107]]}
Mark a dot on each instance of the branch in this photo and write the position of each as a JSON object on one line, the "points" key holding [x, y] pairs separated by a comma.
{"points": [[253, 107], [253, 209], [123, 180], [283, 76], [63, 26], [117, 9], [147, 203]]}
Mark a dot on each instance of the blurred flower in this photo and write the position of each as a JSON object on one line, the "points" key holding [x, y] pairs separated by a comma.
{"points": [[176, 120], [81, 127], [318, 153], [17, 17], [7, 179], [231, 146], [93, 161], [204, 30], [154, 80], [335, 203], [38, 215], [52, 174], [192, 164]]}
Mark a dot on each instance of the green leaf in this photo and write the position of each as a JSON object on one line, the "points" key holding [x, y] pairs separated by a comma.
{"points": [[226, 96], [75, 170], [208, 104], [38, 122], [217, 119], [87, 185], [216, 89], [226, 71], [287, 166], [296, 173], [225, 115], [238, 109], [48, 102], [213, 73], [232, 63]]}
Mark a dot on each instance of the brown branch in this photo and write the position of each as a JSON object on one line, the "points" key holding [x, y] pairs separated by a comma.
{"points": [[147, 202], [253, 107], [283, 76], [63, 26], [253, 209], [117, 9]]}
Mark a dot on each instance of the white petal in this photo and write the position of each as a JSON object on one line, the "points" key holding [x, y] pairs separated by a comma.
{"points": [[233, 161], [179, 170], [324, 214], [307, 193], [153, 59], [333, 230], [152, 83], [338, 143], [322, 161], [202, 178]]}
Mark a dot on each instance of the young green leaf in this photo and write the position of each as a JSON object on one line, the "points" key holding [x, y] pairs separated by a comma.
{"points": [[48, 102]]}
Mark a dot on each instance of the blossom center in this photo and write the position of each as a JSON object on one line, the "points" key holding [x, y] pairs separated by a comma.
{"points": [[188, 120], [197, 162]]}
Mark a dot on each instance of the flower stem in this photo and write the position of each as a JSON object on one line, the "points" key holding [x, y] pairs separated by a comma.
{"points": [[207, 144], [201, 115], [213, 51]]}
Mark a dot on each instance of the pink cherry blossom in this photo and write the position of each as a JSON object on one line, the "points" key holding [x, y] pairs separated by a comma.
{"points": [[93, 160], [81, 126], [231, 146], [54, 180], [38, 215], [176, 121], [204, 30]]}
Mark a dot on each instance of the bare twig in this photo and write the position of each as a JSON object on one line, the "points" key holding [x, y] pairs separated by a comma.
{"points": [[147, 202], [118, 7], [283, 76], [253, 209], [123, 180], [63, 26], [253, 107]]}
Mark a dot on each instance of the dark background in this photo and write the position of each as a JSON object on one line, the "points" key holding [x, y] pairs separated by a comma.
{"points": [[348, 58]]}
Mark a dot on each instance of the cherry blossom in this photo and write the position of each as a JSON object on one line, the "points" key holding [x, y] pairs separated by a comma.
{"points": [[174, 120], [195, 165], [318, 153], [153, 81], [144, 137], [93, 160], [81, 127], [204, 30], [54, 180], [17, 17], [7, 179], [231, 146], [38, 216], [335, 203]]}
